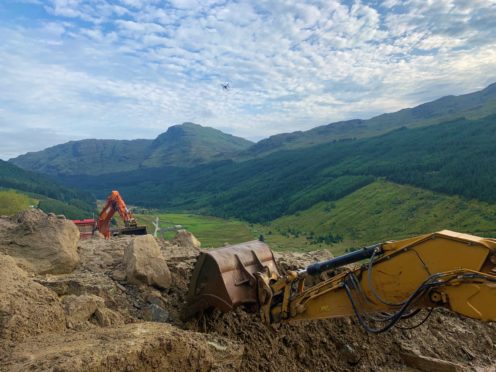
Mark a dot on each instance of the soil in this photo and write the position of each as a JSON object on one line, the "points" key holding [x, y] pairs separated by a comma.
{"points": [[92, 319]]}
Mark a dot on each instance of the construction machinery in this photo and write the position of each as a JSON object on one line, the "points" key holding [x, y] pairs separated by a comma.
{"points": [[115, 203], [394, 281]]}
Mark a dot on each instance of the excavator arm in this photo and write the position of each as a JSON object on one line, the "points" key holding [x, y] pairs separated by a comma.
{"points": [[444, 269], [115, 203]]}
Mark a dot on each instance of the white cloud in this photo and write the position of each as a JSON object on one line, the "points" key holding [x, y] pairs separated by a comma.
{"points": [[97, 68]]}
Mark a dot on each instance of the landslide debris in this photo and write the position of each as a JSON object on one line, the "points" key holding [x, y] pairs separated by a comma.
{"points": [[26, 308], [40, 243], [95, 318]]}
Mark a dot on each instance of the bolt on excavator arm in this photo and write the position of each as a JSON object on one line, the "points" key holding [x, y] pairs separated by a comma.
{"points": [[443, 269]]}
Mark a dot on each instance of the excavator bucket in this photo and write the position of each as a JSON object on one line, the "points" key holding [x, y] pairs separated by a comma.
{"points": [[223, 277], [134, 230]]}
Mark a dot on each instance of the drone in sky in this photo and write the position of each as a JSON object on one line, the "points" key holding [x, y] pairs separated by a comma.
{"points": [[225, 86]]}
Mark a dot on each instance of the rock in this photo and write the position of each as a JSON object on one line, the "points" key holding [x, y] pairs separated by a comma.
{"points": [[40, 243], [26, 307], [155, 313], [81, 308], [186, 239], [107, 318], [427, 364], [145, 263], [154, 297], [130, 347], [349, 354]]}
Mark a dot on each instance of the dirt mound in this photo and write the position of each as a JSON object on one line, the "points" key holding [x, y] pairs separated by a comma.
{"points": [[40, 243], [26, 308], [132, 347]]}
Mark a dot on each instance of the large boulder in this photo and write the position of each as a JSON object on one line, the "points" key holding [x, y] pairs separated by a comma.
{"points": [[40, 243], [145, 263], [26, 307], [186, 239]]}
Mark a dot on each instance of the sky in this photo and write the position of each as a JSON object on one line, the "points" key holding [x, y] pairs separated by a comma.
{"points": [[125, 69]]}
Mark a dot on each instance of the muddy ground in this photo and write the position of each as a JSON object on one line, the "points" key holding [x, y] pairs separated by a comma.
{"points": [[92, 319]]}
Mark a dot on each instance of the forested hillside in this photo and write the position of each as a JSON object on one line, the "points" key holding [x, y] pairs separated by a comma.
{"points": [[51, 195], [455, 157]]}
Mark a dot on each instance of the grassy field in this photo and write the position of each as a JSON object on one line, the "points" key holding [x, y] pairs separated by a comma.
{"points": [[12, 202], [211, 231], [383, 211]]}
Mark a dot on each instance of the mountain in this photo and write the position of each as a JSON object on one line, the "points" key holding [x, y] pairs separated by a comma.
{"points": [[181, 145], [472, 106], [457, 157], [53, 196]]}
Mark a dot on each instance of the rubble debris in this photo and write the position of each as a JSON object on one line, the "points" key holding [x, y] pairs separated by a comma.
{"points": [[145, 263], [40, 243]]}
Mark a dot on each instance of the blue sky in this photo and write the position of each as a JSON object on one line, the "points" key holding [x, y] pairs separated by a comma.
{"points": [[74, 69]]}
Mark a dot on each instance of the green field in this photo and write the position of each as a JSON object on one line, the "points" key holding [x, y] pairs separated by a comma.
{"points": [[12, 202], [211, 231]]}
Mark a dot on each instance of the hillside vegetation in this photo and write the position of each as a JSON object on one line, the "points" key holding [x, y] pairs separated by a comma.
{"points": [[182, 145], [455, 157], [12, 202], [381, 211], [51, 195]]}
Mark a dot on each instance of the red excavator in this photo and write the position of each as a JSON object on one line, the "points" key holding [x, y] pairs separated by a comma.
{"points": [[115, 203]]}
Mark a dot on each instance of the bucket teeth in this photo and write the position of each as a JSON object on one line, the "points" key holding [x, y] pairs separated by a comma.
{"points": [[224, 278]]}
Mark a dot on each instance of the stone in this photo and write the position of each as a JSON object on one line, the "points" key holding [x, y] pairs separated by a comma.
{"points": [[145, 263], [108, 318], [81, 308], [186, 239], [155, 313], [40, 243], [427, 364]]}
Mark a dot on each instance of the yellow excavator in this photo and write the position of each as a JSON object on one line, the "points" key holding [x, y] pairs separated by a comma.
{"points": [[395, 280]]}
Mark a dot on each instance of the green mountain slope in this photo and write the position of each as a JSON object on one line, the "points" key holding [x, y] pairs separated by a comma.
{"points": [[472, 106], [382, 211], [189, 144], [52, 196], [456, 157], [182, 145]]}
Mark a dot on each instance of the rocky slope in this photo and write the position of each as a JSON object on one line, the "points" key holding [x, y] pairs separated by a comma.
{"points": [[93, 319]]}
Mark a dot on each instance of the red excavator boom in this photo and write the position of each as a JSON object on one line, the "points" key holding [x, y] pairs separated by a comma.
{"points": [[115, 203]]}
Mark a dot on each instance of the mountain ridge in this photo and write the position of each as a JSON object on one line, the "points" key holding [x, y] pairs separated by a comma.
{"points": [[185, 144], [190, 144]]}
